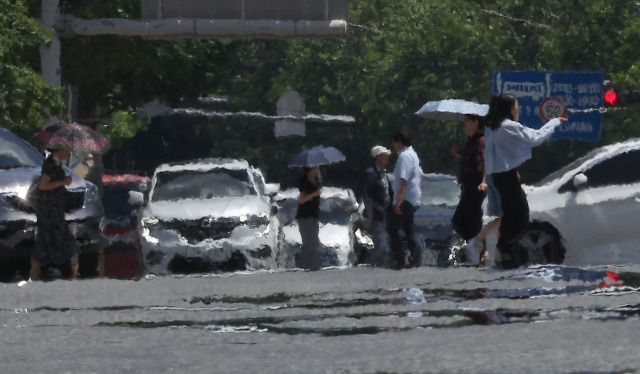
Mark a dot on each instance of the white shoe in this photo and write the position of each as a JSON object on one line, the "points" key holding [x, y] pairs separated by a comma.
{"points": [[473, 250]]}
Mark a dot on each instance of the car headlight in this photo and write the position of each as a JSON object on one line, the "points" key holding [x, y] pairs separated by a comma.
{"points": [[148, 230], [148, 221]]}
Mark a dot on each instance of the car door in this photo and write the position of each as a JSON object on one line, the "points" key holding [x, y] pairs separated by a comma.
{"points": [[604, 212]]}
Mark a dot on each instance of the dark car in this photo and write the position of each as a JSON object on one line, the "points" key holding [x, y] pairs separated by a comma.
{"points": [[20, 164]]}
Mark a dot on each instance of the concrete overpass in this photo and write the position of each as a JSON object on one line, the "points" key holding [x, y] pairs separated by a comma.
{"points": [[239, 19], [204, 19]]}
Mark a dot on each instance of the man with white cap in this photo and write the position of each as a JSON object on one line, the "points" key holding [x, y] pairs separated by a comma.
{"points": [[377, 200]]}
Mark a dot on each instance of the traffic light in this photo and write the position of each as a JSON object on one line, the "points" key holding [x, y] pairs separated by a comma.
{"points": [[617, 96], [610, 96], [628, 96]]}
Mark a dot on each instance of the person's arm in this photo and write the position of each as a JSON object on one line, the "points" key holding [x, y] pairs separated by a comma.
{"points": [[400, 195], [306, 197], [456, 150], [483, 185], [536, 137], [46, 184]]}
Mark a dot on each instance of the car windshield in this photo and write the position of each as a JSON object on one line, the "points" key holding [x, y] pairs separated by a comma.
{"points": [[200, 185], [440, 192], [568, 168], [15, 152]]}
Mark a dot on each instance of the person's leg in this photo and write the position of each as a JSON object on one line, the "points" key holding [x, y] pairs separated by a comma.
{"points": [[501, 184], [394, 224], [467, 219], [316, 245], [494, 209], [487, 230], [459, 220], [515, 214], [75, 266], [408, 212], [522, 212], [378, 256], [309, 234], [34, 272]]}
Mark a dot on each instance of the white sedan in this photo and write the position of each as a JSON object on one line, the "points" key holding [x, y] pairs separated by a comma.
{"points": [[338, 233], [587, 213]]}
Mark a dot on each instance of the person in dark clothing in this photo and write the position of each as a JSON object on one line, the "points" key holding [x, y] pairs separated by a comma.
{"points": [[377, 200], [310, 187], [54, 243], [467, 219]]}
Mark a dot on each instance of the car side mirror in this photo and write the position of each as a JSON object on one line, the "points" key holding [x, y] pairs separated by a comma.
{"points": [[580, 181], [136, 198]]}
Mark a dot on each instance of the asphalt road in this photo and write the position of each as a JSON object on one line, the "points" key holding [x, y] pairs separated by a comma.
{"points": [[361, 320]]}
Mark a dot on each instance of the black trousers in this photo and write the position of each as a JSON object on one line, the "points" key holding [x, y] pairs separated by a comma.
{"points": [[397, 225], [515, 208]]}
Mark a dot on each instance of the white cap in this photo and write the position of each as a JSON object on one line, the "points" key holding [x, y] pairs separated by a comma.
{"points": [[378, 150]]}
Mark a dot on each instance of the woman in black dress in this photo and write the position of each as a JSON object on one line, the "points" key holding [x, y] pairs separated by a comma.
{"points": [[467, 220], [54, 243]]}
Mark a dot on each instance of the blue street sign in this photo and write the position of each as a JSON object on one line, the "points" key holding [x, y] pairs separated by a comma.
{"points": [[544, 95]]}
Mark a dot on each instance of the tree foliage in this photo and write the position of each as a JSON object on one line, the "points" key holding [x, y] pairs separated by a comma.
{"points": [[398, 54], [25, 99]]}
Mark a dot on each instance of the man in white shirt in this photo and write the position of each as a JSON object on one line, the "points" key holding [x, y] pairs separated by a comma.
{"points": [[406, 200]]}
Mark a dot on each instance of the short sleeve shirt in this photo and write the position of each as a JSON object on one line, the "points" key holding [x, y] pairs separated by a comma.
{"points": [[408, 168], [310, 209]]}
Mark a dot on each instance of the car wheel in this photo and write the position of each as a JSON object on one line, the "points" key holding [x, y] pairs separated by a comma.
{"points": [[541, 243], [14, 269]]}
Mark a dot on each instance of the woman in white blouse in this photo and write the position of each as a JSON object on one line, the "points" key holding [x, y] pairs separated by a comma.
{"points": [[508, 144]]}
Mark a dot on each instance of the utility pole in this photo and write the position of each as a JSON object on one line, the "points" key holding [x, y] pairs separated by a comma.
{"points": [[50, 56]]}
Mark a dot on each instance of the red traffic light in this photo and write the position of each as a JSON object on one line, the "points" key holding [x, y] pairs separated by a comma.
{"points": [[611, 97]]}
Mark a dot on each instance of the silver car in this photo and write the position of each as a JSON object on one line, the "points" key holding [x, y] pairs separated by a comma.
{"points": [[206, 216], [20, 163], [339, 233]]}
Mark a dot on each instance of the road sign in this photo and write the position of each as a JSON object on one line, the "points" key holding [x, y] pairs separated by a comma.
{"points": [[544, 95]]}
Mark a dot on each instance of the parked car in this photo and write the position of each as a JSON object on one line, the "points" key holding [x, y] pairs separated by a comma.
{"points": [[339, 233], [208, 215], [588, 209], [433, 228], [20, 163]]}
